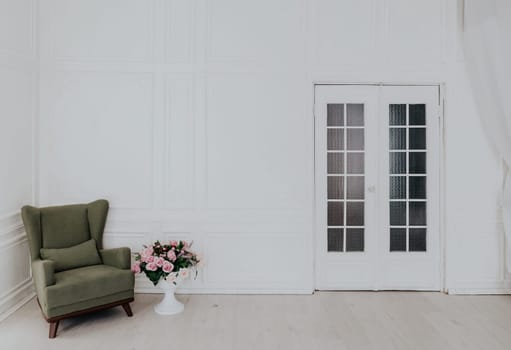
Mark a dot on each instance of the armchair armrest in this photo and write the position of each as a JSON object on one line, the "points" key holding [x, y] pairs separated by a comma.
{"points": [[117, 257], [43, 273]]}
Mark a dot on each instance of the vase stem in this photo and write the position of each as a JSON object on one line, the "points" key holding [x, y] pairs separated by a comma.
{"points": [[169, 305]]}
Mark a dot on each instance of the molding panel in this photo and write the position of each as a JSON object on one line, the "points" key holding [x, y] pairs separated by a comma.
{"points": [[16, 113], [255, 30], [415, 32], [102, 29], [17, 27], [98, 140], [179, 32], [179, 141], [344, 31], [257, 142]]}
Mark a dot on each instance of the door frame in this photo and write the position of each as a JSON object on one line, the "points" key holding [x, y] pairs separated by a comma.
{"points": [[441, 86]]}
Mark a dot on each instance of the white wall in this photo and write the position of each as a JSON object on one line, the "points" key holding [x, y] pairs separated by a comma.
{"points": [[18, 67], [194, 118]]}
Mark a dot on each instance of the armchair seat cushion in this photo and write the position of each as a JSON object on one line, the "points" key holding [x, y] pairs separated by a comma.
{"points": [[86, 284]]}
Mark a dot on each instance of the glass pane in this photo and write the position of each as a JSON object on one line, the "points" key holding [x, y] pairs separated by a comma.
{"points": [[355, 114], [335, 187], [397, 138], [335, 139], [397, 188], [417, 138], [335, 239], [417, 240], [335, 114], [397, 114], [335, 163], [397, 162], [397, 213], [355, 214], [417, 216], [355, 240], [355, 139], [417, 187], [355, 187], [355, 163], [335, 213], [417, 114], [417, 162], [398, 239]]}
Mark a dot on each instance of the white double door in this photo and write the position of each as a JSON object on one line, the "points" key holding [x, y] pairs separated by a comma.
{"points": [[377, 187]]}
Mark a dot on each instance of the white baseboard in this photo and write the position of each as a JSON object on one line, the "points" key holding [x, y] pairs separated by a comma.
{"points": [[480, 287], [228, 291], [16, 298]]}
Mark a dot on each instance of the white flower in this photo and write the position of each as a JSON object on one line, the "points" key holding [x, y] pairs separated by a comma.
{"points": [[184, 273]]}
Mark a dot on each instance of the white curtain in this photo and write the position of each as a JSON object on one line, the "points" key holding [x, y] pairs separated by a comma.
{"points": [[487, 47]]}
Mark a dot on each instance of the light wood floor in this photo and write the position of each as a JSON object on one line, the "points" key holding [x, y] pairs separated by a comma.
{"points": [[337, 320]]}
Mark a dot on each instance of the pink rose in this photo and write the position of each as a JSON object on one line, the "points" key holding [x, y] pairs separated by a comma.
{"points": [[171, 255], [147, 252], [136, 267], [151, 266], [167, 267], [149, 259], [159, 262], [186, 245], [173, 243]]}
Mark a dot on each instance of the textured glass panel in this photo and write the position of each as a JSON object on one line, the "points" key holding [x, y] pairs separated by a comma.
{"points": [[355, 139], [417, 213], [397, 162], [417, 240], [397, 114], [354, 239], [335, 114], [398, 240], [417, 138], [355, 214], [335, 163], [397, 138], [417, 114], [355, 187], [397, 213], [397, 188], [417, 187], [417, 163], [335, 139], [355, 114], [355, 163], [335, 187], [335, 213], [335, 239]]}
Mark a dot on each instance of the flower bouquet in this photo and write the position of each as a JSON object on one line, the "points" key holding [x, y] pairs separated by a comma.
{"points": [[170, 262], [166, 265]]}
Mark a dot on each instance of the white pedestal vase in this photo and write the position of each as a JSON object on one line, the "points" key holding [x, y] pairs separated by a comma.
{"points": [[169, 305]]}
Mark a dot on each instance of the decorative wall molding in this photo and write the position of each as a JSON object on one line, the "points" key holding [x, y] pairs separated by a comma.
{"points": [[147, 39], [16, 298]]}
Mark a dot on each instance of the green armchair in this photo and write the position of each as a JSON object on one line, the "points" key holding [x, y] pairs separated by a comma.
{"points": [[72, 273]]}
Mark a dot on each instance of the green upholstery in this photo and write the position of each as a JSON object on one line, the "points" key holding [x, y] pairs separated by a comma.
{"points": [[86, 284], [83, 254], [68, 233]]}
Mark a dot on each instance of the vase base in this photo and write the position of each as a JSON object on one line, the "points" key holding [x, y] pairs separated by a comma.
{"points": [[169, 309]]}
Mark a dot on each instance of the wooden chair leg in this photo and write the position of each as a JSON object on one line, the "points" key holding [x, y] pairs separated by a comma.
{"points": [[127, 308], [53, 329]]}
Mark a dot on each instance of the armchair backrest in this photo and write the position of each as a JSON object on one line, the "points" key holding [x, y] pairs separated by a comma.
{"points": [[64, 226]]}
